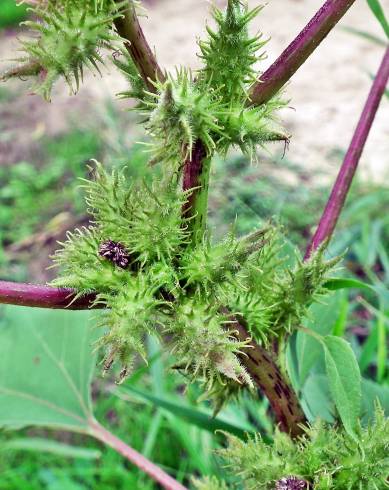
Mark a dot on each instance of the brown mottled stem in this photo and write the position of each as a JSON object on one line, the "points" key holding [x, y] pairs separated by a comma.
{"points": [[347, 171], [21, 294], [268, 377], [282, 70], [128, 27], [137, 459]]}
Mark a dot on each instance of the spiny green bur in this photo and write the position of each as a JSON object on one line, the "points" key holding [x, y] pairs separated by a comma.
{"points": [[168, 287], [138, 256], [326, 458], [68, 37]]}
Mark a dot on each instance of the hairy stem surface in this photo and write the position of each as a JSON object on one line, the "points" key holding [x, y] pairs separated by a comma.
{"points": [[347, 171], [156, 473], [282, 70], [129, 28]]}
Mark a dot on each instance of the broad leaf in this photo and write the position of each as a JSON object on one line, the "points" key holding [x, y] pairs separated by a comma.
{"points": [[317, 398], [322, 319], [344, 380], [336, 283], [46, 365]]}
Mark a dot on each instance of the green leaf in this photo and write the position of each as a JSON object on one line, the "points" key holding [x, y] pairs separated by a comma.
{"points": [[344, 380], [341, 322], [371, 393], [322, 319], [46, 366], [317, 398], [336, 283], [379, 13], [200, 418], [36, 444]]}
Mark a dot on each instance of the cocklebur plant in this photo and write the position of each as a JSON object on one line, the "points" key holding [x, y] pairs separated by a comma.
{"points": [[225, 310], [143, 225], [137, 258]]}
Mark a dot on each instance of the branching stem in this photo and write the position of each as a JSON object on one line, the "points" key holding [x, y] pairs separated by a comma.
{"points": [[290, 60], [347, 171], [129, 28], [267, 376], [196, 178]]}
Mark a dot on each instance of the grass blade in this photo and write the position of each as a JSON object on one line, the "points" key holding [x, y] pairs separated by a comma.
{"points": [[378, 11], [200, 418]]}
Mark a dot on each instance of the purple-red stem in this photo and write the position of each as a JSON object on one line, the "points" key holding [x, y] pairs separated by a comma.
{"points": [[14, 293], [156, 473], [343, 182], [282, 70]]}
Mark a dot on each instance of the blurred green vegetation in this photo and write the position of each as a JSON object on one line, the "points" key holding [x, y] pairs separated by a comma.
{"points": [[11, 13]]}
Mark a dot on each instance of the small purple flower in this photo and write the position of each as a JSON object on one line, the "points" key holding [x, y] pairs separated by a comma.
{"points": [[115, 252], [291, 483]]}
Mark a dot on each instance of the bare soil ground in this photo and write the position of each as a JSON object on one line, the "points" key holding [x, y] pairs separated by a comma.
{"points": [[327, 93]]}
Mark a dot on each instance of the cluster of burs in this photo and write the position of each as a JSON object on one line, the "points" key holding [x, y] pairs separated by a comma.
{"points": [[154, 273]]}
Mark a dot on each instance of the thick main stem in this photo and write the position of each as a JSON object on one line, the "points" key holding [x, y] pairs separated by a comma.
{"points": [[129, 28], [196, 179], [156, 473], [347, 171], [282, 70], [266, 374]]}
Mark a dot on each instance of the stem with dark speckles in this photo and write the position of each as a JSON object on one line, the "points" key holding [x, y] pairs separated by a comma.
{"points": [[268, 377]]}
